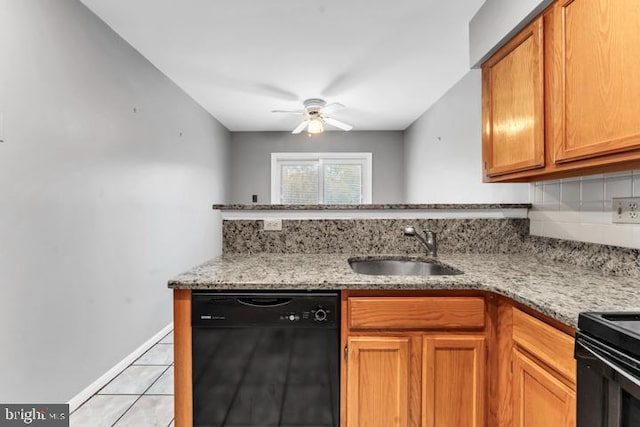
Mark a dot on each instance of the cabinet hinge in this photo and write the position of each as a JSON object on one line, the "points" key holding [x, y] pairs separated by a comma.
{"points": [[346, 353]]}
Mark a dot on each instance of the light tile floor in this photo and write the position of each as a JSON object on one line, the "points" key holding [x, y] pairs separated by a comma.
{"points": [[141, 396]]}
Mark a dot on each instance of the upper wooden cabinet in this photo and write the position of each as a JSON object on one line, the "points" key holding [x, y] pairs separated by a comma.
{"points": [[513, 108], [596, 46], [562, 98]]}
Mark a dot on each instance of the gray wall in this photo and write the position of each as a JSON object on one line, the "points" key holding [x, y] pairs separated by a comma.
{"points": [[443, 152], [99, 205], [496, 22], [251, 160]]}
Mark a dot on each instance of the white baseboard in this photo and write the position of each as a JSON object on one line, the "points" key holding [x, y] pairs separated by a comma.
{"points": [[94, 387]]}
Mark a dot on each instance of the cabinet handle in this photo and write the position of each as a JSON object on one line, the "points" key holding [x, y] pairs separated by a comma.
{"points": [[346, 353]]}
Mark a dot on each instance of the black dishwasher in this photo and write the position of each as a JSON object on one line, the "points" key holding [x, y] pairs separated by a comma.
{"points": [[266, 358]]}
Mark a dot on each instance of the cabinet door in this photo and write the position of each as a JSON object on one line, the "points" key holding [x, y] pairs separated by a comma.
{"points": [[378, 381], [539, 398], [513, 104], [453, 381], [596, 57]]}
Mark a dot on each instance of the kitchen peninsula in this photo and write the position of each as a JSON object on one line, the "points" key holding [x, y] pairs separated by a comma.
{"points": [[510, 316]]}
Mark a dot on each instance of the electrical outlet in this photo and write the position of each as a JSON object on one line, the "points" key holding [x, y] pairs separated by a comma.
{"points": [[626, 210], [272, 225]]}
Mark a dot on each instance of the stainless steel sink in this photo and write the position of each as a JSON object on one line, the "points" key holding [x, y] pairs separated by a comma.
{"points": [[401, 267]]}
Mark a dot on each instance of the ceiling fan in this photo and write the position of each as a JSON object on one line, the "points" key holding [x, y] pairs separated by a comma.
{"points": [[316, 112]]}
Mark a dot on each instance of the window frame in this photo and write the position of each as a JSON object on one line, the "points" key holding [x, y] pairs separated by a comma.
{"points": [[365, 160]]}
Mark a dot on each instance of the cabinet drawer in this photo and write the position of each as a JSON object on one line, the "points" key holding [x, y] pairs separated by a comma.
{"points": [[545, 342], [416, 313]]}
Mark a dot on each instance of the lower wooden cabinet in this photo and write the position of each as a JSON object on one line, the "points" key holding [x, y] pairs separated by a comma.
{"points": [[504, 368], [453, 381], [543, 374], [432, 381], [540, 398], [414, 360], [378, 381], [493, 366]]}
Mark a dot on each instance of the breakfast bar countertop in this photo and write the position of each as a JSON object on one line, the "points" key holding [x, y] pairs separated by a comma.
{"points": [[369, 206], [558, 290]]}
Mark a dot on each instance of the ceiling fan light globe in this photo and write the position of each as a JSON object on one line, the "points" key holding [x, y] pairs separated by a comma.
{"points": [[315, 127]]}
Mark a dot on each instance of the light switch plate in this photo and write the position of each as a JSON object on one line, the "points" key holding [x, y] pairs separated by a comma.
{"points": [[626, 210], [273, 224]]}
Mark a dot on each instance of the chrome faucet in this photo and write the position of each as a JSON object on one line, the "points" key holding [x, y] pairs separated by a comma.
{"points": [[430, 243]]}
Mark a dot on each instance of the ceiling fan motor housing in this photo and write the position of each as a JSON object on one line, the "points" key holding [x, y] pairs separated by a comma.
{"points": [[314, 105]]}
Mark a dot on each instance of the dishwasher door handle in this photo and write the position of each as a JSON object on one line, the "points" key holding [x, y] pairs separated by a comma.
{"points": [[264, 302]]}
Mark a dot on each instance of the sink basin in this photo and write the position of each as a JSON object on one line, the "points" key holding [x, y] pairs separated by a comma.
{"points": [[401, 267]]}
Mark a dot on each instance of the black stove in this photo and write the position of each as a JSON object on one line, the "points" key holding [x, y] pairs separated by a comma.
{"points": [[621, 330], [608, 378]]}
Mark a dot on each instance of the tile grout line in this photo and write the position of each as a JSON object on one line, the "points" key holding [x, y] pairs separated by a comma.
{"points": [[98, 393], [167, 367], [140, 396], [147, 389], [127, 410], [159, 364], [152, 347]]}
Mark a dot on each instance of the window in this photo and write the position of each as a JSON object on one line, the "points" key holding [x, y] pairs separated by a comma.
{"points": [[321, 178]]}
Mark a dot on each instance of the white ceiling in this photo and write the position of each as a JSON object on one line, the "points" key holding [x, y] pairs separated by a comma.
{"points": [[387, 61]]}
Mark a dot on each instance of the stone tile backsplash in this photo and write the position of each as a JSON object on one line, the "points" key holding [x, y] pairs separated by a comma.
{"points": [[385, 236], [378, 236], [609, 260]]}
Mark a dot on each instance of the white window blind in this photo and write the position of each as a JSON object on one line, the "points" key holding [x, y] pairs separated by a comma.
{"points": [[321, 178], [299, 184]]}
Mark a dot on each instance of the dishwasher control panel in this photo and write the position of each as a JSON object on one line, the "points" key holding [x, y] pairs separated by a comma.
{"points": [[240, 309], [318, 314]]}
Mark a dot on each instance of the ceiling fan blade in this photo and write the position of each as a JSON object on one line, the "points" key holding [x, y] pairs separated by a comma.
{"points": [[301, 127], [338, 124], [330, 108], [289, 111]]}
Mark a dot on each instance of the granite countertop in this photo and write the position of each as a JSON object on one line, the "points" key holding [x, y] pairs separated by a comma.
{"points": [[558, 290], [442, 206]]}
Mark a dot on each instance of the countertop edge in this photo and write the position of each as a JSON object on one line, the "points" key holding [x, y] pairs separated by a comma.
{"points": [[468, 286], [365, 207], [554, 289]]}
